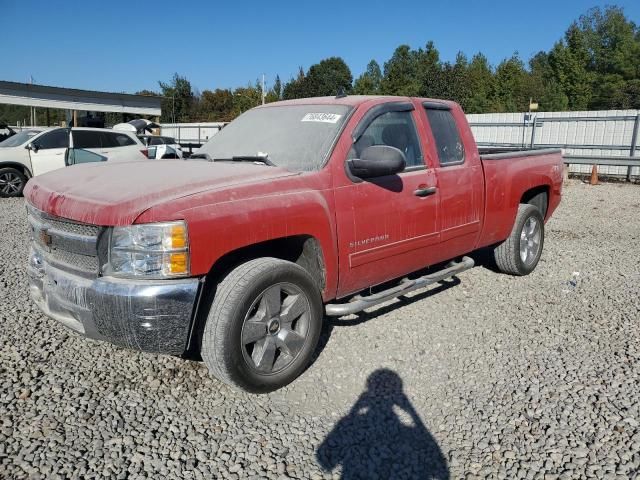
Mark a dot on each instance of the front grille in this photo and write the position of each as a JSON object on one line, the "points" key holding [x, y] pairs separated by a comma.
{"points": [[72, 227], [84, 263], [69, 245]]}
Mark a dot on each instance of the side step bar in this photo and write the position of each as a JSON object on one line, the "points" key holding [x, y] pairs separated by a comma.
{"points": [[359, 303]]}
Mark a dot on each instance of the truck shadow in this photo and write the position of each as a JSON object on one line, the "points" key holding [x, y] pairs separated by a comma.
{"points": [[484, 258], [382, 436]]}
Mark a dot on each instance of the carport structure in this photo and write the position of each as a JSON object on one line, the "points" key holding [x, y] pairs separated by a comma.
{"points": [[43, 96]]}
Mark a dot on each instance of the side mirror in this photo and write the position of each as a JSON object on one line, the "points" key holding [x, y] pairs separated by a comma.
{"points": [[33, 146], [377, 161]]}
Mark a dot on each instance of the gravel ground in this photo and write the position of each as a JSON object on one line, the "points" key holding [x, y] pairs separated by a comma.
{"points": [[491, 377]]}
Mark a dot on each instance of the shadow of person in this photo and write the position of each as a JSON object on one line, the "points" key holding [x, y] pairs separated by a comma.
{"points": [[382, 437]]}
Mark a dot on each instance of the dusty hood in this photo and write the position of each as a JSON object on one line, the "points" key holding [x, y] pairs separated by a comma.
{"points": [[116, 194]]}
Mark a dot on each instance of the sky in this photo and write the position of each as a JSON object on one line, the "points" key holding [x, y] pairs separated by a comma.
{"points": [[126, 46]]}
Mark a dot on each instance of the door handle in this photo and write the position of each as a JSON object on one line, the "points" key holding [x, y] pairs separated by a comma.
{"points": [[425, 192]]}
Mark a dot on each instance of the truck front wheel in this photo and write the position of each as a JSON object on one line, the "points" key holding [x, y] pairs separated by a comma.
{"points": [[519, 254], [263, 326]]}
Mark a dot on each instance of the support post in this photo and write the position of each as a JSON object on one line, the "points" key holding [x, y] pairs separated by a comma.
{"points": [[634, 143], [533, 132], [75, 118]]}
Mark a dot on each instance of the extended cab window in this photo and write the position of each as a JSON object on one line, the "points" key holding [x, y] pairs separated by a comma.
{"points": [[445, 131], [55, 139], [395, 129]]}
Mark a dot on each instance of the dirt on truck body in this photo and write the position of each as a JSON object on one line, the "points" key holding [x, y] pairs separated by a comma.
{"points": [[285, 216]]}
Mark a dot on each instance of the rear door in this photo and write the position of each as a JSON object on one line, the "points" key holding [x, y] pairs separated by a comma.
{"points": [[460, 178], [387, 226], [50, 151], [120, 146]]}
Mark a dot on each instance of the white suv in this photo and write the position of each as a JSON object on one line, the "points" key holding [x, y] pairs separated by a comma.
{"points": [[60, 147]]}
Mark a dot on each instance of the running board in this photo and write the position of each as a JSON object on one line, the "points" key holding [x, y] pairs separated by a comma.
{"points": [[359, 303]]}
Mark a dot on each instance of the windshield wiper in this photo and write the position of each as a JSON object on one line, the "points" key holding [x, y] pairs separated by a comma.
{"points": [[247, 158]]}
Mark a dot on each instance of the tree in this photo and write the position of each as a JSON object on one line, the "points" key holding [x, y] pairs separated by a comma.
{"points": [[327, 78], [430, 72], [369, 82], [569, 60], [295, 88], [481, 84], [217, 105], [178, 100], [401, 73], [509, 92]]}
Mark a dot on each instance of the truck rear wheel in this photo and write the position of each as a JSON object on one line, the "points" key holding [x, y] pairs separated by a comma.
{"points": [[12, 182], [519, 254], [263, 326]]}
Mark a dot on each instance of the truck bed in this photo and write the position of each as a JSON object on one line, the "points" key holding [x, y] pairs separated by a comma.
{"points": [[509, 174]]}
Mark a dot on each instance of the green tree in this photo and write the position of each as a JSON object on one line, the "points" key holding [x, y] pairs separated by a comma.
{"points": [[569, 61], [178, 100], [327, 78], [429, 72], [217, 105], [481, 85], [369, 82], [401, 73], [295, 88], [509, 92]]}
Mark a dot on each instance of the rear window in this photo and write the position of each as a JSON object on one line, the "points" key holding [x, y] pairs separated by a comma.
{"points": [[122, 140], [445, 131], [155, 141]]}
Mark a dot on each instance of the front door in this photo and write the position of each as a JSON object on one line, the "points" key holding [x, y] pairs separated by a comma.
{"points": [[387, 226], [48, 151]]}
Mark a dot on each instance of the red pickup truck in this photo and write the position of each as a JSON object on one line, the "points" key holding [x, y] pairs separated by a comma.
{"points": [[296, 210]]}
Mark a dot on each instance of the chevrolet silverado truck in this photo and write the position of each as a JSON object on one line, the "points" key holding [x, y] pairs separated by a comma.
{"points": [[295, 211]]}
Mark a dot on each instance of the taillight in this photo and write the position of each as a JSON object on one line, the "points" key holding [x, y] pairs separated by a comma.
{"points": [[145, 152]]}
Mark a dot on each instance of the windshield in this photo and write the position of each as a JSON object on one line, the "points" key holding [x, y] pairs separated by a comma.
{"points": [[19, 138], [295, 137]]}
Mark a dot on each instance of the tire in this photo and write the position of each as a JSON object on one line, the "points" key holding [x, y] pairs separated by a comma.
{"points": [[244, 309], [12, 182], [520, 252]]}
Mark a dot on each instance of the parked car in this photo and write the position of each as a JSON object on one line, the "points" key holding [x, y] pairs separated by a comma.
{"points": [[314, 207], [19, 138], [32, 152], [161, 147]]}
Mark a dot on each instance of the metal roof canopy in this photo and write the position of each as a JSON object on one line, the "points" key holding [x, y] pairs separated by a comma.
{"points": [[72, 99]]}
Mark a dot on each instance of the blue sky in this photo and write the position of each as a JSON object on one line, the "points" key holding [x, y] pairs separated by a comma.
{"points": [[126, 46]]}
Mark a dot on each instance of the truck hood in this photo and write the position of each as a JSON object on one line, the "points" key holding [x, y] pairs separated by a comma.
{"points": [[116, 194]]}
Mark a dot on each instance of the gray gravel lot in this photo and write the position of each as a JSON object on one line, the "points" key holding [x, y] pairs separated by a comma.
{"points": [[493, 376]]}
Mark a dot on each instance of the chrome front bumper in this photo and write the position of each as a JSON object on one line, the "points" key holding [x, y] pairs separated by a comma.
{"points": [[152, 316]]}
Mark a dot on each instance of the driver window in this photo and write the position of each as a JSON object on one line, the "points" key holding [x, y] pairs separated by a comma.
{"points": [[55, 139], [395, 129]]}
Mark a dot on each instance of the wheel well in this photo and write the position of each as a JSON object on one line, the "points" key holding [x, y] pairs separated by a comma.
{"points": [[304, 250], [17, 166], [538, 197]]}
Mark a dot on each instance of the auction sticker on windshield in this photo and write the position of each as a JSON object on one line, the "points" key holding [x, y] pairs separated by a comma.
{"points": [[321, 117]]}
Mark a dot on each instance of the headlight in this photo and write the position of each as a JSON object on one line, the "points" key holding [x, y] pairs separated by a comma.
{"points": [[154, 250]]}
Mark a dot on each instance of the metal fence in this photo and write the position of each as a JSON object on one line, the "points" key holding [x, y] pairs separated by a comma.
{"points": [[606, 138], [191, 133]]}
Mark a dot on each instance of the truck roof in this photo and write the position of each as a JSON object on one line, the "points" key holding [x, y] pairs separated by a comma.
{"points": [[349, 100]]}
